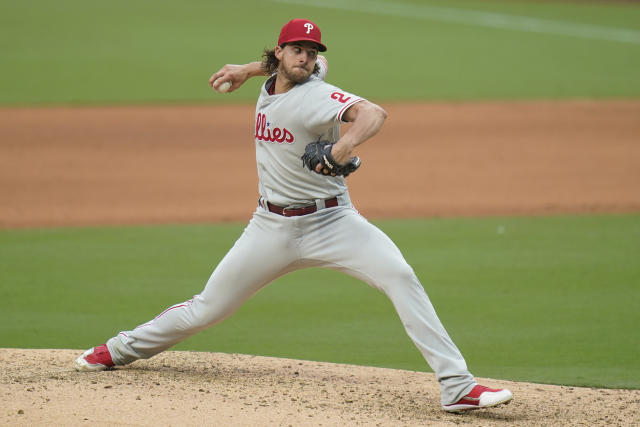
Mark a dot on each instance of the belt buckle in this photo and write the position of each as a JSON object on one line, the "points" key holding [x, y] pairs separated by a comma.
{"points": [[284, 211]]}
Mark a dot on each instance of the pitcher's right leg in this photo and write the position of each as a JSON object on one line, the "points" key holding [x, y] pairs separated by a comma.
{"points": [[370, 255]]}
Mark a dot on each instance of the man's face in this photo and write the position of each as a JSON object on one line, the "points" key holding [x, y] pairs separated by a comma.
{"points": [[297, 60]]}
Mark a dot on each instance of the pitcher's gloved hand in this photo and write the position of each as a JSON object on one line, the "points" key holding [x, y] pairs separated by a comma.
{"points": [[319, 153]]}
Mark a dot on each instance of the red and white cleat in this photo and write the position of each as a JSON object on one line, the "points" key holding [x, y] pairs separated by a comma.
{"points": [[480, 397], [95, 359]]}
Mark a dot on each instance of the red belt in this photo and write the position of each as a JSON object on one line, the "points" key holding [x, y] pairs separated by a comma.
{"points": [[303, 210]]}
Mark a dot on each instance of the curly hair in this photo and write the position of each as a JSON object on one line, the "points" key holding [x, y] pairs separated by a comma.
{"points": [[270, 63]]}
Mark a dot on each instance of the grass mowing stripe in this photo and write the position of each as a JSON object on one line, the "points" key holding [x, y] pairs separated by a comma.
{"points": [[479, 18], [547, 299], [118, 53]]}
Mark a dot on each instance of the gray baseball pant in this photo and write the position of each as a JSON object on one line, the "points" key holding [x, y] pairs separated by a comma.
{"points": [[271, 246]]}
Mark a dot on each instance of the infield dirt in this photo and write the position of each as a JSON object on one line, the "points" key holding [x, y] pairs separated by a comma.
{"points": [[137, 165], [108, 165]]}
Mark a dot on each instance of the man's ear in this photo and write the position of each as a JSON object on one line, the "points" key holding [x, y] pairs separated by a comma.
{"points": [[278, 52]]}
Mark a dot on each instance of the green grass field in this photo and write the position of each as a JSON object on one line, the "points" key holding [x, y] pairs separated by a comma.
{"points": [[546, 299], [137, 51]]}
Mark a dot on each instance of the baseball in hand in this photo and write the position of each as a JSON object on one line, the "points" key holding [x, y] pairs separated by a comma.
{"points": [[224, 87]]}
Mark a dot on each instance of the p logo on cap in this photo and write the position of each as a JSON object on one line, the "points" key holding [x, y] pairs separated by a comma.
{"points": [[301, 30]]}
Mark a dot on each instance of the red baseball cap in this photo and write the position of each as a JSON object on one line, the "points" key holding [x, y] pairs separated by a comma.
{"points": [[301, 30]]}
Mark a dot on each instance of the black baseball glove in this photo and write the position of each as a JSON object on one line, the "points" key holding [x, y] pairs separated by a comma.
{"points": [[319, 152]]}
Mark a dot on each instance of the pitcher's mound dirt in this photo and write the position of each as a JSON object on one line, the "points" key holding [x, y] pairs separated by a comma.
{"points": [[40, 387]]}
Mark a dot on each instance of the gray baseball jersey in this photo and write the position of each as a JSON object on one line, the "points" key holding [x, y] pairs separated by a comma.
{"points": [[285, 124], [335, 236]]}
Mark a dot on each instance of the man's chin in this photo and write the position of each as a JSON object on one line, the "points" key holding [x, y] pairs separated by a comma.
{"points": [[302, 75], [298, 75]]}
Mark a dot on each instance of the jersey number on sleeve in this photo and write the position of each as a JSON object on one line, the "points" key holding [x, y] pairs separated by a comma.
{"points": [[339, 96]]}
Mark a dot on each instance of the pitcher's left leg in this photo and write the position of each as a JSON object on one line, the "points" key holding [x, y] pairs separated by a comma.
{"points": [[262, 253], [353, 245]]}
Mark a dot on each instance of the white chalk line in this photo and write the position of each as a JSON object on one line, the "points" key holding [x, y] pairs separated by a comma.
{"points": [[472, 17]]}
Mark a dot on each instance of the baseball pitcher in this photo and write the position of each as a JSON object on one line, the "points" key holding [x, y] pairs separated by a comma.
{"points": [[305, 218]]}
